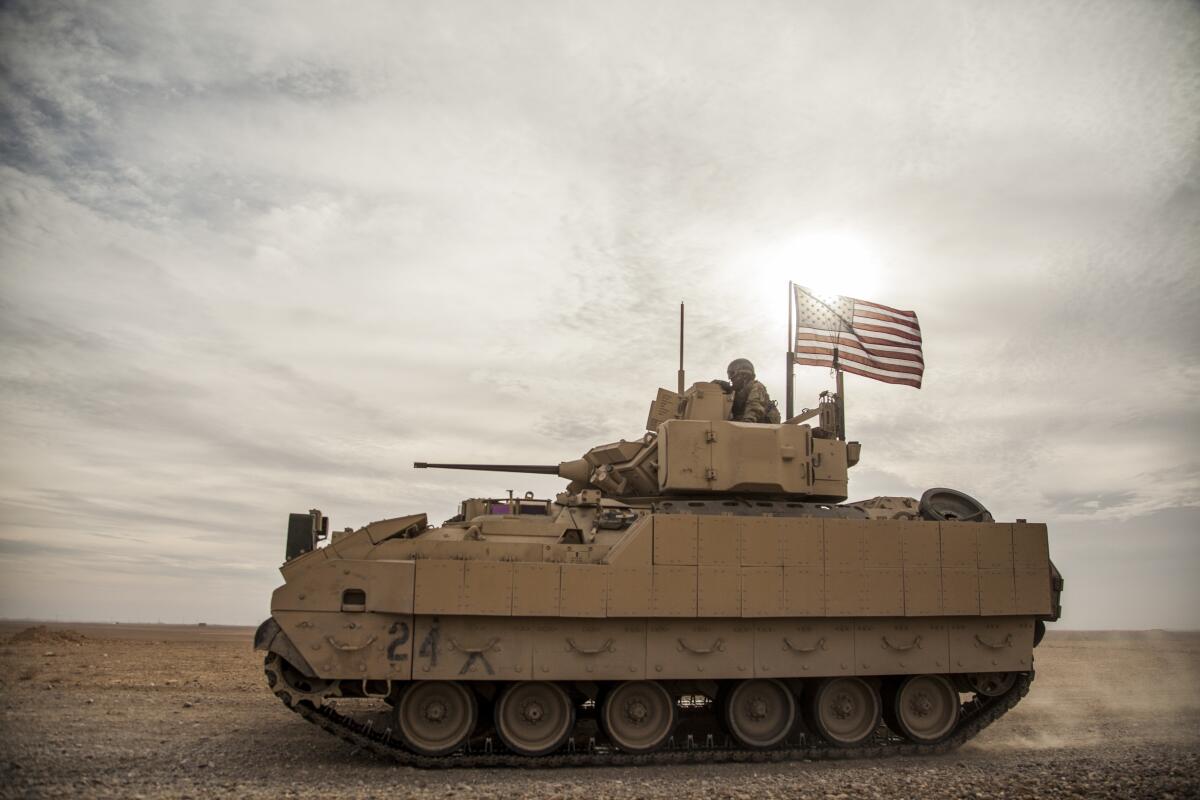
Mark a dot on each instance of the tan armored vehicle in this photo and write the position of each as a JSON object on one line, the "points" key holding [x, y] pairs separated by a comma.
{"points": [[700, 593]]}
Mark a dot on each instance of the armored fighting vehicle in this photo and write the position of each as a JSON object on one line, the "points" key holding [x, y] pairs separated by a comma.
{"points": [[702, 592]]}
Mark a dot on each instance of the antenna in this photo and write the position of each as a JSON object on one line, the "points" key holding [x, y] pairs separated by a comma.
{"points": [[680, 374]]}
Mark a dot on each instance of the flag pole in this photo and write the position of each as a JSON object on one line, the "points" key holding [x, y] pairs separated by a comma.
{"points": [[791, 354], [841, 397]]}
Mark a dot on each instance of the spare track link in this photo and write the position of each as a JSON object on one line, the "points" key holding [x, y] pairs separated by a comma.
{"points": [[976, 715]]}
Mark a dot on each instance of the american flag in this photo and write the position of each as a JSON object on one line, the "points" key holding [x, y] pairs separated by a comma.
{"points": [[871, 340]]}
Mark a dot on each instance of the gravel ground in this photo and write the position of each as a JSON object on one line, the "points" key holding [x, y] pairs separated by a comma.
{"points": [[162, 711]]}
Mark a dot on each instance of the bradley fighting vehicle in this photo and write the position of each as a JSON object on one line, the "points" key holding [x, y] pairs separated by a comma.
{"points": [[699, 593]]}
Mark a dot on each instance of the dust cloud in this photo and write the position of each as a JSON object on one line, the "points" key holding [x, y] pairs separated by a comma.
{"points": [[1098, 687]]}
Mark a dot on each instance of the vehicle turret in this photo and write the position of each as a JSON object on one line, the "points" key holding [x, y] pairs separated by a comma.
{"points": [[692, 446]]}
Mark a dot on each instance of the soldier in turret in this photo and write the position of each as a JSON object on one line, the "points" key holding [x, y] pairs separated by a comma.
{"points": [[751, 402]]}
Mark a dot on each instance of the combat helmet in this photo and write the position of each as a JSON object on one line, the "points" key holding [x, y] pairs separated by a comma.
{"points": [[739, 365]]}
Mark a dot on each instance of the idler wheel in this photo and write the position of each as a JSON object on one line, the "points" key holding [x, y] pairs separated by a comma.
{"points": [[435, 717], [924, 708], [298, 686], [948, 505], [638, 716], [844, 711], [991, 684], [760, 713], [534, 718]]}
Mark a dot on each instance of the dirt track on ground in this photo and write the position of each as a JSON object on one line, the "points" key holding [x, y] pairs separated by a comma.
{"points": [[173, 711]]}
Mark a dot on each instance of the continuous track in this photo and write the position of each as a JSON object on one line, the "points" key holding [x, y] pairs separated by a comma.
{"points": [[976, 715]]}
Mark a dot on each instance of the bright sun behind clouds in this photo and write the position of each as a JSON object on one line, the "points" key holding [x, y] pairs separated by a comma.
{"points": [[830, 263]]}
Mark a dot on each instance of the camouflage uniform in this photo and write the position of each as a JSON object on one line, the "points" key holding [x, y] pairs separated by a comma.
{"points": [[751, 403]]}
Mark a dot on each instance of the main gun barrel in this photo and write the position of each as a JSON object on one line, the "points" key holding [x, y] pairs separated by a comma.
{"points": [[577, 470], [536, 469]]}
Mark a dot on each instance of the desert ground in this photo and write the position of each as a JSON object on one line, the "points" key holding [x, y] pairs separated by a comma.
{"points": [[92, 710]]}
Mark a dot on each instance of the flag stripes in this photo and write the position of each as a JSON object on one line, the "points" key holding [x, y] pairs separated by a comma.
{"points": [[885, 377], [892, 349], [870, 339]]}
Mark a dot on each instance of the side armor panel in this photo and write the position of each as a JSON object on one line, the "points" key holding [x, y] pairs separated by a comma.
{"points": [[455, 647]]}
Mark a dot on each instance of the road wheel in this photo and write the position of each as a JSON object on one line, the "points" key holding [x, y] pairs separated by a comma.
{"points": [[948, 505], [924, 708], [435, 717], [534, 718], [844, 711], [760, 713], [638, 716]]}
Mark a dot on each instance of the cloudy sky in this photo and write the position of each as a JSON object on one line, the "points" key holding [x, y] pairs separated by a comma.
{"points": [[259, 258]]}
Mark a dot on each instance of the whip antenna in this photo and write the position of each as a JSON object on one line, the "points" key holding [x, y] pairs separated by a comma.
{"points": [[680, 374]]}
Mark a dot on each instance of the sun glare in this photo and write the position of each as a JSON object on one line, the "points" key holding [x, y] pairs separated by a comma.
{"points": [[830, 263]]}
